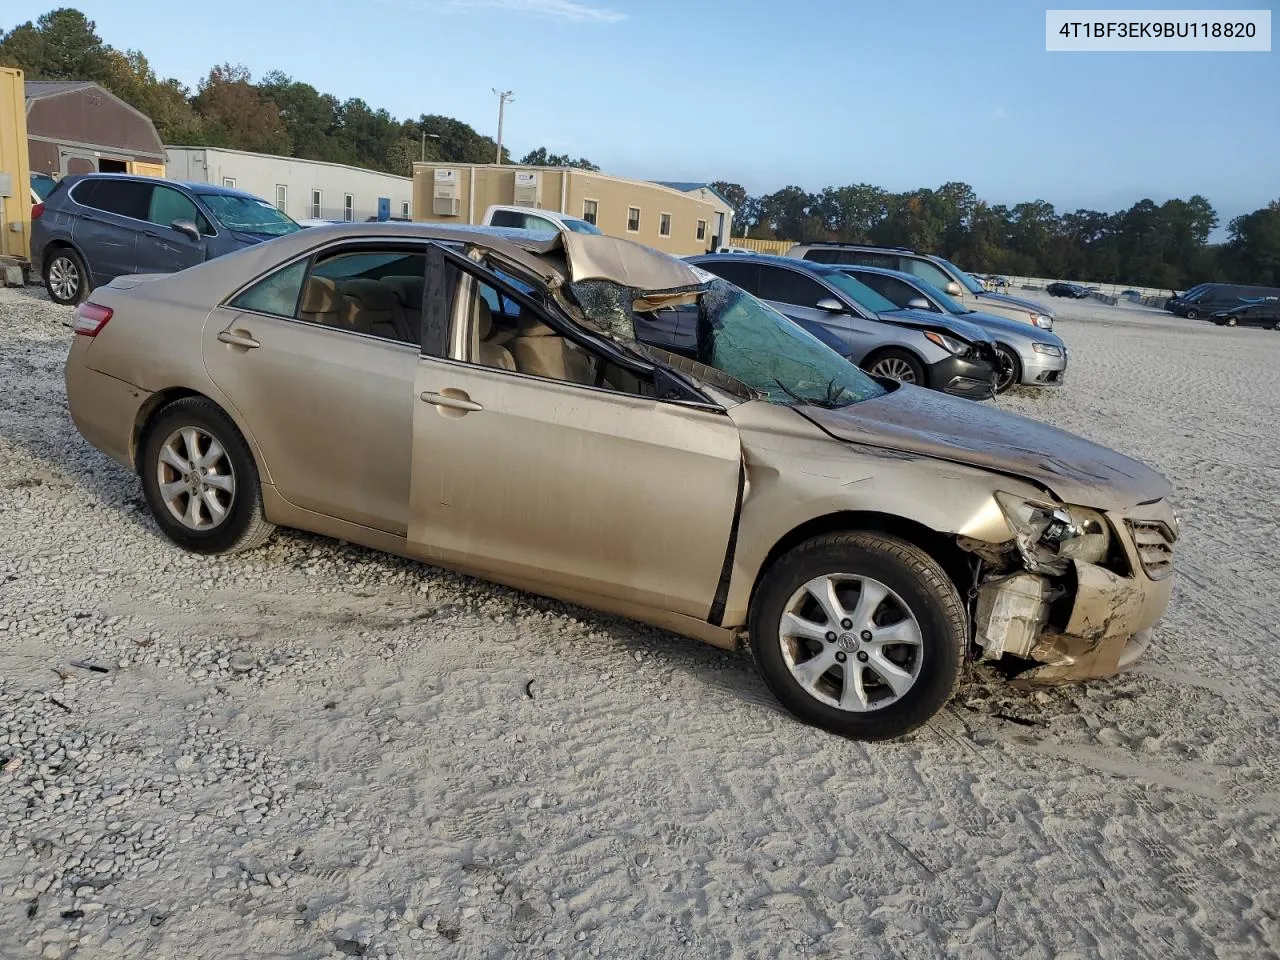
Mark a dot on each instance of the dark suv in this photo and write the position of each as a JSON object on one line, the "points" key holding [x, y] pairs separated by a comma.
{"points": [[91, 229]]}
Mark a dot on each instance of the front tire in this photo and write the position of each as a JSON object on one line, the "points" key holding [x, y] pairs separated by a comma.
{"points": [[65, 277], [860, 634], [1231, 321], [897, 365], [1193, 314], [200, 480], [1010, 374]]}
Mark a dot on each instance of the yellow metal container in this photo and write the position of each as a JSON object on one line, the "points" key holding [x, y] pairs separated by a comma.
{"points": [[15, 209]]}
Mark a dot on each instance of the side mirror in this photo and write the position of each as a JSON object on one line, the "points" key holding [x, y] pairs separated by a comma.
{"points": [[187, 228], [830, 304], [954, 290], [919, 303]]}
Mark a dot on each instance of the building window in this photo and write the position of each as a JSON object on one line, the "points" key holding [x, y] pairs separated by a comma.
{"points": [[633, 219], [282, 196], [229, 182], [404, 209], [664, 225], [348, 207], [316, 205], [702, 229], [589, 208]]}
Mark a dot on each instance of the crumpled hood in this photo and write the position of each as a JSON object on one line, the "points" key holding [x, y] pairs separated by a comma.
{"points": [[932, 424], [943, 322], [1008, 301]]}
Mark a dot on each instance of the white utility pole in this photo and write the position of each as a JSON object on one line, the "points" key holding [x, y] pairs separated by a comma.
{"points": [[433, 136], [504, 97]]}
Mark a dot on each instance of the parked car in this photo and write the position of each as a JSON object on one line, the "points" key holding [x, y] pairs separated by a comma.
{"points": [[1073, 290], [537, 220], [928, 349], [93, 228], [1175, 303], [483, 403], [41, 186], [1214, 298], [944, 275], [1250, 315], [1028, 355]]}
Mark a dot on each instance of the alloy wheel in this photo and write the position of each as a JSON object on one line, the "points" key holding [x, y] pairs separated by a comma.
{"points": [[851, 642], [64, 278], [894, 368], [1007, 372], [196, 479]]}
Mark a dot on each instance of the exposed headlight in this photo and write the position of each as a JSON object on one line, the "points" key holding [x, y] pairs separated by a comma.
{"points": [[1048, 349], [1050, 534], [1043, 321], [950, 344]]}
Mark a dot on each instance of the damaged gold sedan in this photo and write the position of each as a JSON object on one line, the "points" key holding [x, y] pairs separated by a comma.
{"points": [[588, 419]]}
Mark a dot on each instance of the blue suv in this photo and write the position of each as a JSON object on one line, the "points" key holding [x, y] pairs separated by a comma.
{"points": [[91, 229]]}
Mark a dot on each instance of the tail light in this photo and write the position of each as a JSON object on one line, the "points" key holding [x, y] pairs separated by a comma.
{"points": [[90, 319], [37, 211]]}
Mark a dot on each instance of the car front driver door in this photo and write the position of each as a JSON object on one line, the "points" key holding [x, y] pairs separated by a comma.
{"points": [[163, 248], [567, 488]]}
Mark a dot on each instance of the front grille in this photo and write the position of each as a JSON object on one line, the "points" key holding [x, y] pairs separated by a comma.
{"points": [[1154, 541]]}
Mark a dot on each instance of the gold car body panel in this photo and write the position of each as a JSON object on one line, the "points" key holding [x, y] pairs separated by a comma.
{"points": [[572, 487], [102, 407], [330, 411]]}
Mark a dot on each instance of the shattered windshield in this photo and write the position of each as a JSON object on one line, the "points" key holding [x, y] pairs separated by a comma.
{"points": [[724, 327]]}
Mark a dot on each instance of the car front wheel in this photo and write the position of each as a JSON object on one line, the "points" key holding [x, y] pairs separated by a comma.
{"points": [[1010, 373], [200, 480], [65, 277], [897, 365], [1193, 314], [859, 633]]}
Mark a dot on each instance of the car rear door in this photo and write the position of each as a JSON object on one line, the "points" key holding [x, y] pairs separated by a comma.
{"points": [[162, 248], [576, 490], [111, 216]]}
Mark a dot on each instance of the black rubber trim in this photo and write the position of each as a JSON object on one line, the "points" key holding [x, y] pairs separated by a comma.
{"points": [[716, 616]]}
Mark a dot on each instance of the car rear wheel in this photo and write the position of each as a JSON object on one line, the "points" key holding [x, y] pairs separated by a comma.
{"points": [[897, 365], [200, 480], [859, 633], [1010, 373], [65, 277]]}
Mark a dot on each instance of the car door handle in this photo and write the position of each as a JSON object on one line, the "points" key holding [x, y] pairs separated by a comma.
{"points": [[452, 402], [238, 339]]}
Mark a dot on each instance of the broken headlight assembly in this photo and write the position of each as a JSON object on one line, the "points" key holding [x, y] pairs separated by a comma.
{"points": [[1051, 535]]}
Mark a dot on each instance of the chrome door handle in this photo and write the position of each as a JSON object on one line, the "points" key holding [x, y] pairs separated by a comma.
{"points": [[453, 403], [238, 339]]}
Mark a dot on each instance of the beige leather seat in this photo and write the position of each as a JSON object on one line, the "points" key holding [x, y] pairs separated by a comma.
{"points": [[409, 291], [542, 352], [374, 308], [321, 303], [487, 353]]}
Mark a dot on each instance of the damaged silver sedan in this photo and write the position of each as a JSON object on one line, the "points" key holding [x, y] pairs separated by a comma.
{"points": [[494, 404]]}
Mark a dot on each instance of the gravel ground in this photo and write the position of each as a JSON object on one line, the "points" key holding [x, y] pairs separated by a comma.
{"points": [[313, 750]]}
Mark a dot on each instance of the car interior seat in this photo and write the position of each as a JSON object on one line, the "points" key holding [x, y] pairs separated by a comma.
{"points": [[374, 308], [321, 303], [541, 351], [487, 352]]}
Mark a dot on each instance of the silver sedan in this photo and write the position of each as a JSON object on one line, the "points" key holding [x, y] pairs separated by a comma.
{"points": [[1029, 356]]}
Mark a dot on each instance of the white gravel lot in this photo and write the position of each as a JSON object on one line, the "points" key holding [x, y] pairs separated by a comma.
{"points": [[314, 750]]}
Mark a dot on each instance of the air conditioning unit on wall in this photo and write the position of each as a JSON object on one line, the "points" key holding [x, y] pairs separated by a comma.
{"points": [[527, 189], [444, 193]]}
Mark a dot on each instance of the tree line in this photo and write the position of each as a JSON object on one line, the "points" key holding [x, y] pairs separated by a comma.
{"points": [[1157, 245], [276, 114]]}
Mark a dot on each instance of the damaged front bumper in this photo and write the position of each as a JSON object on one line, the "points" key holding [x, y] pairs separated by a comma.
{"points": [[1089, 620]]}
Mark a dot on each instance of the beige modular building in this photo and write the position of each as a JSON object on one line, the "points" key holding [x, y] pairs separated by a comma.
{"points": [[670, 220]]}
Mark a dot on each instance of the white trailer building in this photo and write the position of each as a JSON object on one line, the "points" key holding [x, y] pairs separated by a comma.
{"points": [[304, 189]]}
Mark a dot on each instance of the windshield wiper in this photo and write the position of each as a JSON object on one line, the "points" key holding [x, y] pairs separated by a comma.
{"points": [[829, 401]]}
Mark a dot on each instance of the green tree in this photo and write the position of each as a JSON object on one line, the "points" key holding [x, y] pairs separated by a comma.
{"points": [[541, 158], [237, 114], [62, 44], [1253, 250]]}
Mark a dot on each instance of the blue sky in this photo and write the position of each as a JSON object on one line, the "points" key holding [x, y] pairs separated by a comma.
{"points": [[899, 93]]}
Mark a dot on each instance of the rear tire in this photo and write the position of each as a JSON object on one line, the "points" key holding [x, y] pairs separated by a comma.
{"points": [[200, 480], [896, 365], [65, 277], [891, 663], [1010, 373]]}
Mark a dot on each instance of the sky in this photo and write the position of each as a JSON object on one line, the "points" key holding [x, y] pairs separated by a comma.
{"points": [[896, 93]]}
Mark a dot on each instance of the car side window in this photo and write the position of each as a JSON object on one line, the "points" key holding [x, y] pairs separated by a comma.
{"points": [[868, 259], [275, 294], [928, 272], [506, 218], [168, 205], [378, 292], [125, 198], [517, 338], [740, 274], [899, 292], [823, 255], [788, 286]]}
